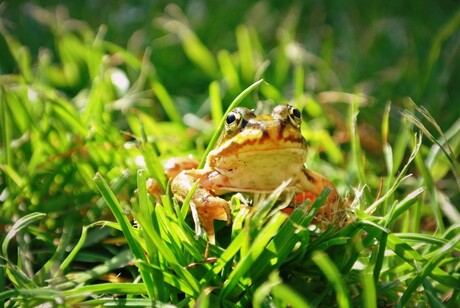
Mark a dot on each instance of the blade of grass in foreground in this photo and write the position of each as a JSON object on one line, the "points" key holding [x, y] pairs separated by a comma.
{"points": [[235, 103], [49, 269], [333, 275], [279, 291], [429, 268], [167, 278], [155, 237], [152, 161], [8, 270], [126, 227], [413, 258], [120, 260], [79, 245], [369, 291], [17, 227], [232, 287], [294, 230], [108, 288], [125, 302]]}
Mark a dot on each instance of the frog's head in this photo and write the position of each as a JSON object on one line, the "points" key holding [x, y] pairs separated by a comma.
{"points": [[251, 143], [244, 131]]}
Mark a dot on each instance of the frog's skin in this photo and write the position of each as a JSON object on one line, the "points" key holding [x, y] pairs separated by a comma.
{"points": [[255, 154]]}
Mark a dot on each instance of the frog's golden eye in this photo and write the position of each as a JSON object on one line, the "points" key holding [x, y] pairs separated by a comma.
{"points": [[233, 121], [294, 116]]}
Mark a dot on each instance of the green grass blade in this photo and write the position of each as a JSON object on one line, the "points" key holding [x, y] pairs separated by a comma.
{"points": [[5, 125], [167, 102], [31, 297], [119, 260], [402, 206], [125, 302], [229, 71], [18, 226], [160, 240], [246, 53], [195, 50], [146, 212], [400, 178], [20, 53], [288, 296], [294, 230], [107, 288], [280, 292], [446, 31], [121, 218], [12, 176], [370, 293], [125, 225], [216, 103], [233, 104], [46, 271], [378, 264], [425, 239], [226, 257], [248, 261], [333, 275], [168, 278], [427, 270], [358, 155], [77, 247], [413, 258]]}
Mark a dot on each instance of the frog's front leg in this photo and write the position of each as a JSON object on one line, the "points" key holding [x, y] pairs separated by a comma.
{"points": [[172, 167], [311, 184], [208, 206]]}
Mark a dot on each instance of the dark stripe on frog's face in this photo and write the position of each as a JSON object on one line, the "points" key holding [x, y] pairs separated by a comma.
{"points": [[311, 179]]}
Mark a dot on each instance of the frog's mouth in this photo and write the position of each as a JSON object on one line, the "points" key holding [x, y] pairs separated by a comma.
{"points": [[263, 146], [279, 163]]}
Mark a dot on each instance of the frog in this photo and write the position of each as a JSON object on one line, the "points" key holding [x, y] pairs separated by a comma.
{"points": [[254, 154]]}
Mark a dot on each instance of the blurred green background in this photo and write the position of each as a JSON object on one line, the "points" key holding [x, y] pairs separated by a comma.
{"points": [[388, 50]]}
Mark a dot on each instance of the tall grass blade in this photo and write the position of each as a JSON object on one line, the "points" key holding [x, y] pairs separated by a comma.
{"points": [[444, 145], [428, 270], [18, 226], [229, 71], [246, 52], [167, 102], [333, 275], [125, 225], [232, 105], [216, 103], [145, 211]]}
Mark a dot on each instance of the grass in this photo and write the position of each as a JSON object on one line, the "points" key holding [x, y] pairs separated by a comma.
{"points": [[84, 124]]}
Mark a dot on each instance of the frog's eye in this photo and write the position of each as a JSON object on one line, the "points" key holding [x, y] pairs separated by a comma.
{"points": [[233, 121], [294, 116]]}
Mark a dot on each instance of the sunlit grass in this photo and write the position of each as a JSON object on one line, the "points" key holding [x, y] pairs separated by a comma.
{"points": [[82, 131]]}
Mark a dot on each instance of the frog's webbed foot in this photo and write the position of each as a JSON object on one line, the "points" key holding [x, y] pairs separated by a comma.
{"points": [[208, 206]]}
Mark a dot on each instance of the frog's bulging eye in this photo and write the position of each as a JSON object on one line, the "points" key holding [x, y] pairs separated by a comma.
{"points": [[233, 121], [294, 116], [230, 118]]}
